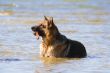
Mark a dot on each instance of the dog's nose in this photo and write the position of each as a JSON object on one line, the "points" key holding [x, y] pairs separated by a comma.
{"points": [[33, 28]]}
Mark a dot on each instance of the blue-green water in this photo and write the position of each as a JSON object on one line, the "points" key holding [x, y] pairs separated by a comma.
{"points": [[87, 21]]}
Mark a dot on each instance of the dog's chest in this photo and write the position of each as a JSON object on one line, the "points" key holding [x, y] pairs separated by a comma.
{"points": [[51, 51]]}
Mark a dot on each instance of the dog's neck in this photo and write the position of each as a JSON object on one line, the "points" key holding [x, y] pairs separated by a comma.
{"points": [[50, 38], [49, 41]]}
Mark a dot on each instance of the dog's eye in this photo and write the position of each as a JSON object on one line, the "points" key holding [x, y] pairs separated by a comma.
{"points": [[43, 26]]}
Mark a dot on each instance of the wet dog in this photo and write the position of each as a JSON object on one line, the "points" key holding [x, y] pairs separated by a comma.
{"points": [[54, 44]]}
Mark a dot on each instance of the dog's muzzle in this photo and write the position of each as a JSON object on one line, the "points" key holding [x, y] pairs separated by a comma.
{"points": [[35, 31]]}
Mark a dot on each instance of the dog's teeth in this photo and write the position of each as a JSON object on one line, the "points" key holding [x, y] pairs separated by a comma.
{"points": [[34, 33], [37, 38], [37, 35]]}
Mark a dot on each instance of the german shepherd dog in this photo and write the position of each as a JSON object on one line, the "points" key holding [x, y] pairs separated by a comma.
{"points": [[54, 44]]}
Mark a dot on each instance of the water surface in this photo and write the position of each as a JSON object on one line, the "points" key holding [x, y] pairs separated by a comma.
{"points": [[87, 21]]}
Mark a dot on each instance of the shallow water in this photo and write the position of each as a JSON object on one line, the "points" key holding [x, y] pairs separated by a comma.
{"points": [[87, 21]]}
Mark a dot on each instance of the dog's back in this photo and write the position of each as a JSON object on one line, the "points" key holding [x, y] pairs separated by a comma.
{"points": [[76, 49]]}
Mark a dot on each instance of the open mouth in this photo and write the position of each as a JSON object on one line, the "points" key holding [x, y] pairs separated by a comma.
{"points": [[36, 34]]}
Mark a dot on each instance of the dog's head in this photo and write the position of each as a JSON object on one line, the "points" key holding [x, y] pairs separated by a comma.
{"points": [[46, 27]]}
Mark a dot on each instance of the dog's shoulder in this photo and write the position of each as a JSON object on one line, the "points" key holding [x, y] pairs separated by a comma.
{"points": [[61, 39]]}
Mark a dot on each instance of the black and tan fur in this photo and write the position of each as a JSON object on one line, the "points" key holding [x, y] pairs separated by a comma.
{"points": [[54, 44]]}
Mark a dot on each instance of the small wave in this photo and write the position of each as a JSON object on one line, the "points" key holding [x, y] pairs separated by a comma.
{"points": [[8, 5], [92, 57], [9, 59]]}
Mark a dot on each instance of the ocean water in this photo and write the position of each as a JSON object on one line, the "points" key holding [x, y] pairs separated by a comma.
{"points": [[87, 21]]}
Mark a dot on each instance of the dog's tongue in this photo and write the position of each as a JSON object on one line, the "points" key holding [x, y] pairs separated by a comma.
{"points": [[37, 35]]}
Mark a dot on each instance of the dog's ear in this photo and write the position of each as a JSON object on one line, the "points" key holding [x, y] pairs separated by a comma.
{"points": [[45, 18], [51, 23], [51, 20]]}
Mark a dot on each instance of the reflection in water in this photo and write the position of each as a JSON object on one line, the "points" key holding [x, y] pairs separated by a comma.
{"points": [[55, 65], [53, 60], [7, 5], [6, 53], [5, 13], [6, 9]]}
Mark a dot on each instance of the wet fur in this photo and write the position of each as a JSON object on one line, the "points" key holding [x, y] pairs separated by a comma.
{"points": [[54, 44]]}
